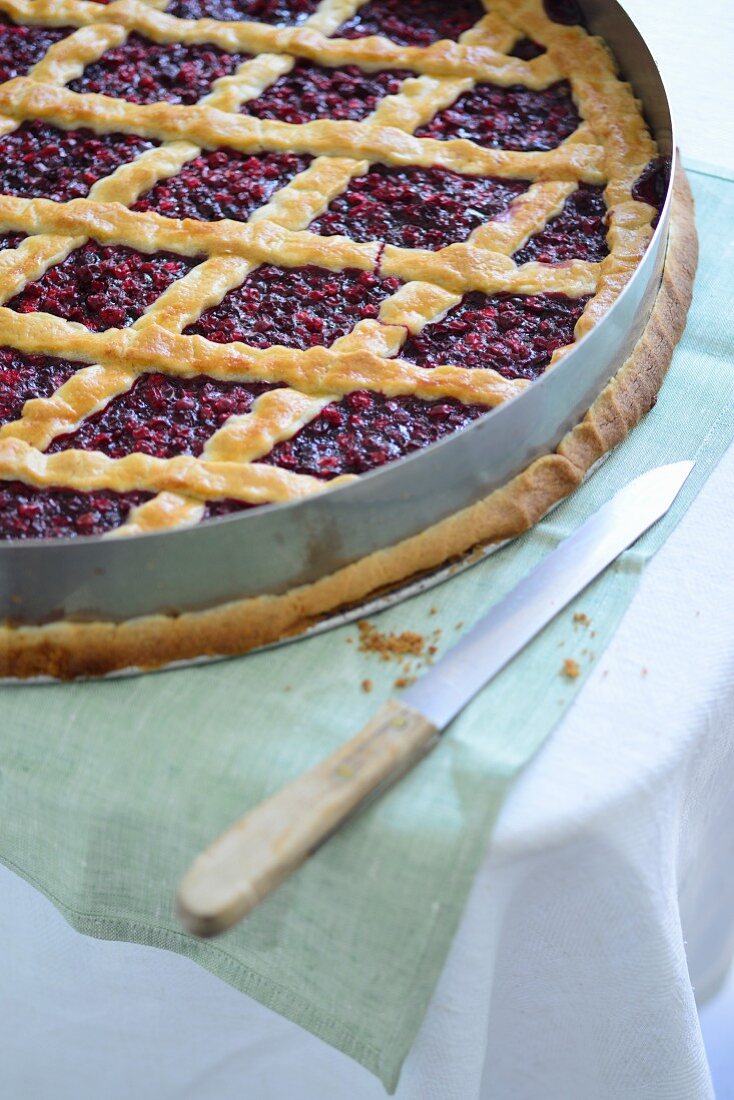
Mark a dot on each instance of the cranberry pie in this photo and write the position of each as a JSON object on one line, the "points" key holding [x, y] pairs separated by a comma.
{"points": [[251, 249]]}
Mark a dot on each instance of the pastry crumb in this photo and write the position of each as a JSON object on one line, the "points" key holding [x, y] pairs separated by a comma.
{"points": [[459, 625], [367, 686], [571, 668], [433, 611], [582, 619], [404, 681], [389, 646]]}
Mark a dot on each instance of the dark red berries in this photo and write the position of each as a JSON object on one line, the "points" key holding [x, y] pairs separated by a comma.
{"points": [[30, 513], [260, 11], [22, 46], [298, 307], [102, 286], [311, 91], [146, 72], [162, 415], [40, 161], [579, 232], [508, 118], [416, 207], [418, 23], [526, 49], [10, 240], [514, 334], [365, 430], [23, 377], [222, 184], [567, 12], [652, 185]]}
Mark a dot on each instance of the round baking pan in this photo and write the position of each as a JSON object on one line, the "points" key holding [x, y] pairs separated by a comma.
{"points": [[277, 547]]}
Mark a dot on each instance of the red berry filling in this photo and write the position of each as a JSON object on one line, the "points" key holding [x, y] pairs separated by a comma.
{"points": [[30, 513], [102, 286], [652, 185], [222, 184], [299, 307], [224, 507], [565, 11], [310, 91], [145, 72], [578, 232], [11, 240], [416, 207], [261, 11], [365, 430], [21, 47], [418, 23], [25, 376], [526, 50], [39, 161], [508, 118], [162, 416], [514, 334]]}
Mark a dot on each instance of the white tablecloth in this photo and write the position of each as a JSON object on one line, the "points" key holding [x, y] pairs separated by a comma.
{"points": [[607, 883]]}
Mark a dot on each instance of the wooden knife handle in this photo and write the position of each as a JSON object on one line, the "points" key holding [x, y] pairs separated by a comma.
{"points": [[261, 850]]}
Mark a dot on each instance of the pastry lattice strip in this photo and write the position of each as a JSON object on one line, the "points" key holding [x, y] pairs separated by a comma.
{"points": [[424, 296]]}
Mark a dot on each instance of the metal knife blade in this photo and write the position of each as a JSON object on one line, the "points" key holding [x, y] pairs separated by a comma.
{"points": [[261, 850], [446, 688]]}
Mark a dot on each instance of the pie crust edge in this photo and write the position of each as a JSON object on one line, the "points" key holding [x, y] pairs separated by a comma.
{"points": [[67, 650]]}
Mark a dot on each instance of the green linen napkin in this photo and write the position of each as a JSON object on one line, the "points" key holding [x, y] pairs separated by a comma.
{"points": [[110, 788]]}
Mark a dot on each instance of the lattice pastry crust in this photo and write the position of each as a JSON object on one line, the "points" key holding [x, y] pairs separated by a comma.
{"points": [[610, 146], [67, 650]]}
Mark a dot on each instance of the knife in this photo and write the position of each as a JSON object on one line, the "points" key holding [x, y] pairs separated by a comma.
{"points": [[261, 850]]}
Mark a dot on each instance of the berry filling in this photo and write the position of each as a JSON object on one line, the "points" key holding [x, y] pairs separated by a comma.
{"points": [[652, 185], [526, 50], [365, 430], [416, 207], [567, 12], [21, 47], [162, 416], [39, 161], [579, 232], [30, 513], [514, 334], [418, 23], [23, 377], [224, 507], [508, 118], [145, 72], [299, 307], [310, 91], [102, 286], [11, 240], [222, 184], [275, 12]]}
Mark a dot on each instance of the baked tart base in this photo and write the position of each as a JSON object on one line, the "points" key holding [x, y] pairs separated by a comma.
{"points": [[67, 650]]}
